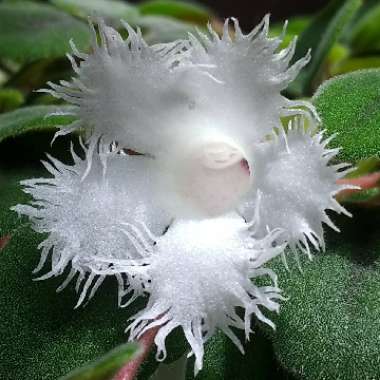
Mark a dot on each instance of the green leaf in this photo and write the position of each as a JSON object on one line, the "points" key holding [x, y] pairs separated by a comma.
{"points": [[31, 31], [172, 371], [223, 360], [364, 167], [35, 75], [111, 10], [106, 366], [30, 119], [337, 54], [329, 328], [10, 99], [296, 25], [158, 29], [176, 345], [365, 34], [42, 336], [320, 36], [350, 106], [366, 172], [371, 196], [187, 11], [356, 63]]}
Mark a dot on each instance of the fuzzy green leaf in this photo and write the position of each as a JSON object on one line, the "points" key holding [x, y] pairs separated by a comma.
{"points": [[350, 106], [42, 336], [31, 31], [111, 10], [182, 10], [329, 328], [224, 361], [320, 36], [30, 119], [107, 366]]}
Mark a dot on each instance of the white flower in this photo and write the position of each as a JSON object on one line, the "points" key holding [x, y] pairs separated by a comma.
{"points": [[207, 115], [91, 217], [109, 223], [245, 101], [289, 181], [294, 185], [197, 274], [147, 97], [126, 91]]}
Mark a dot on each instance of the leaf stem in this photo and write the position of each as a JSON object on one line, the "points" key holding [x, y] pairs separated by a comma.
{"points": [[4, 240], [129, 371], [365, 182]]}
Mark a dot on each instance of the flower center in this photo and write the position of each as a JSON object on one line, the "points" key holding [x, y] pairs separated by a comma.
{"points": [[212, 178]]}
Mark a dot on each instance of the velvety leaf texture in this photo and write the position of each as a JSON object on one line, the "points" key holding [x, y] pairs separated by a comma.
{"points": [[42, 336], [330, 326], [224, 361], [30, 119], [31, 31], [349, 106]]}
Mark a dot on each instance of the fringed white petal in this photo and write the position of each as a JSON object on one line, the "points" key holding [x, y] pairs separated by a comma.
{"points": [[243, 100], [125, 90], [294, 185], [225, 85], [200, 272], [101, 214]]}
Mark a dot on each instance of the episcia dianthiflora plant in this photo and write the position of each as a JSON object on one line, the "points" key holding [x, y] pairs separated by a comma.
{"points": [[220, 187]]}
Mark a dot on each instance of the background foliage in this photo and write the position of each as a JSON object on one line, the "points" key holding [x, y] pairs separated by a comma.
{"points": [[330, 326]]}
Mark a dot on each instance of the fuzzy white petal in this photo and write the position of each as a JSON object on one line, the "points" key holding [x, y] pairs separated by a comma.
{"points": [[101, 214], [294, 185], [148, 97], [244, 99], [126, 90], [200, 272]]}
